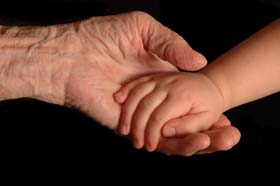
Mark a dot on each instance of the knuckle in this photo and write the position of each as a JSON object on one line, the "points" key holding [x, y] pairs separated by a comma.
{"points": [[184, 128], [125, 113], [189, 129], [140, 14], [136, 131], [124, 90], [145, 104], [155, 118]]}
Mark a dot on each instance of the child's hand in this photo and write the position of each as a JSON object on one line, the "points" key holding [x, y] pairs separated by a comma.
{"points": [[190, 101]]}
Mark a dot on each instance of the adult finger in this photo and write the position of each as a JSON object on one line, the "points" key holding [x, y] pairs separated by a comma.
{"points": [[185, 146], [167, 44]]}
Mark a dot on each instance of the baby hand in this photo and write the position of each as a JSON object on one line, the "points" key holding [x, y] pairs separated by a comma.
{"points": [[189, 102]]}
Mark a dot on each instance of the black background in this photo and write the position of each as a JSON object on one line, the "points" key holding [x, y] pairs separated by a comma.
{"points": [[39, 137]]}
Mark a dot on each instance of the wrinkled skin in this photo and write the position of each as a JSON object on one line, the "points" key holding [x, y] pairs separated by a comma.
{"points": [[114, 50]]}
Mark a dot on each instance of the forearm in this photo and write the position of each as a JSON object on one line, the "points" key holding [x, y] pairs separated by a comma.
{"points": [[250, 70], [30, 63]]}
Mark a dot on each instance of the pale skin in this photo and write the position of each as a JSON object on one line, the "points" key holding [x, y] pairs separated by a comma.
{"points": [[178, 104], [82, 64]]}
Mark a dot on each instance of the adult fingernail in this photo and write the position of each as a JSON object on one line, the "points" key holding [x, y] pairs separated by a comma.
{"points": [[168, 132], [199, 58]]}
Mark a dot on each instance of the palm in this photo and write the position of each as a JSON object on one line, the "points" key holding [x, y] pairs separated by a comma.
{"points": [[117, 49], [104, 69]]}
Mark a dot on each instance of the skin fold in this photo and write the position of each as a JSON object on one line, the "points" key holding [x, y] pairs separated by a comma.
{"points": [[178, 104], [82, 64]]}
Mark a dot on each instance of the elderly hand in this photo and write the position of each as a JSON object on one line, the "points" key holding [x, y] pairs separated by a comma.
{"points": [[82, 64]]}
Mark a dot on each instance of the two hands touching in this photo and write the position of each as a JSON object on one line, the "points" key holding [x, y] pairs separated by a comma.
{"points": [[177, 104], [184, 103], [83, 64], [135, 45]]}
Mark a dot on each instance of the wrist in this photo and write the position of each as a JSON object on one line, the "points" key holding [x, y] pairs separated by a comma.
{"points": [[34, 62], [220, 82]]}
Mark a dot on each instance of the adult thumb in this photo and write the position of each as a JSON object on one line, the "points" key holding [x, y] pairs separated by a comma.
{"points": [[168, 45]]}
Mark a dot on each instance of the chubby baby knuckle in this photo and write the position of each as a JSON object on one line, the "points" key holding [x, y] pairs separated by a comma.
{"points": [[125, 88], [125, 112], [145, 104], [212, 117], [136, 131], [189, 129], [156, 118]]}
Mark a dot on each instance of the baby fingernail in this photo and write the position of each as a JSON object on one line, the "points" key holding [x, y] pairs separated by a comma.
{"points": [[119, 93], [168, 132], [137, 144], [123, 130], [149, 147]]}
